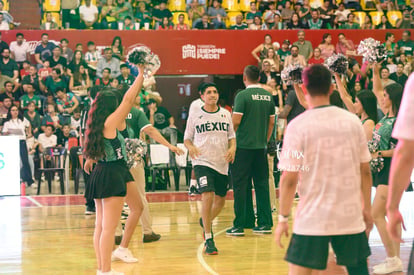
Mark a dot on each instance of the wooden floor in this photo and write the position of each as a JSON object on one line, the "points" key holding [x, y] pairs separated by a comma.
{"points": [[51, 235]]}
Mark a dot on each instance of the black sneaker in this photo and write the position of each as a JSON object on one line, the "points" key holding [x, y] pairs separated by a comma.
{"points": [[262, 229], [202, 226], [90, 210], [149, 238], [193, 191], [235, 231], [210, 247]]}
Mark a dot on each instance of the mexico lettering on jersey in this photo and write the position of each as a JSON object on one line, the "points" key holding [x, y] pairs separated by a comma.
{"points": [[210, 133]]}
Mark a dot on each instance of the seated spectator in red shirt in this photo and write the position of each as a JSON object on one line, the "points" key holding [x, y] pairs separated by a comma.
{"points": [[46, 70], [25, 70], [344, 46], [105, 80], [166, 24], [317, 58], [181, 25]]}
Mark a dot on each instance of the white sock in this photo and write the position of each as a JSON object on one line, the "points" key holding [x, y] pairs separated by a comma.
{"points": [[193, 182], [122, 248], [208, 236]]}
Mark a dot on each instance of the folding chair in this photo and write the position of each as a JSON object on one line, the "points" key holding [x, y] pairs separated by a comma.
{"points": [[183, 162], [159, 161], [54, 160], [78, 168]]}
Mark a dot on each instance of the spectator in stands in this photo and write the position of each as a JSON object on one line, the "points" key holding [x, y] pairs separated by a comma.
{"points": [[51, 117], [108, 18], [181, 24], [4, 107], [405, 21], [126, 76], [240, 25], [17, 125], [108, 61], [305, 12], [305, 47], [204, 24], [47, 139], [3, 45], [57, 60], [70, 14], [326, 12], [89, 16], [129, 24], [92, 55], [162, 120], [342, 13], [406, 45], [24, 69], [77, 61], [166, 24], [117, 48], [258, 24], [295, 58], [385, 5], [399, 76], [317, 58], [49, 24], [294, 23], [274, 60], [123, 9], [44, 50], [62, 137], [260, 52], [53, 82], [284, 51], [7, 16], [277, 25], [66, 102], [8, 66], [266, 74], [384, 24], [9, 91], [217, 15], [66, 51], [391, 64], [80, 82], [114, 83], [252, 13], [315, 23], [4, 26], [385, 80], [195, 12], [352, 4], [269, 15], [48, 99], [45, 71], [345, 46], [287, 11], [19, 49], [389, 44], [4, 79], [28, 97], [75, 122], [105, 80], [160, 13], [367, 25], [32, 115], [350, 23], [32, 79], [143, 16], [326, 47]]}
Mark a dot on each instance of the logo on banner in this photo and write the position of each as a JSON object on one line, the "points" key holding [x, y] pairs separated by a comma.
{"points": [[208, 52]]}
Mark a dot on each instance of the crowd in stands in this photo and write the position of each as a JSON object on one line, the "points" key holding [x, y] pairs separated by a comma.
{"points": [[229, 14], [50, 90]]}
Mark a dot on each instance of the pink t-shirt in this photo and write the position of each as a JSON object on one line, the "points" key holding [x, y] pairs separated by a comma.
{"points": [[404, 127]]}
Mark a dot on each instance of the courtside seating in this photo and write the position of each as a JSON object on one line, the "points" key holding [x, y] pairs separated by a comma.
{"points": [[393, 17], [364, 5], [231, 18], [231, 5], [244, 5], [51, 5], [376, 17], [56, 18], [176, 5], [360, 17], [175, 18]]}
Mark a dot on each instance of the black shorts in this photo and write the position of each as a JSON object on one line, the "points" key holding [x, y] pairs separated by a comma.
{"points": [[382, 177], [312, 251], [209, 180]]}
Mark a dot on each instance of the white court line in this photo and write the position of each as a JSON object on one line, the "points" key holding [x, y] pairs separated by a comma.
{"points": [[200, 257], [38, 204]]}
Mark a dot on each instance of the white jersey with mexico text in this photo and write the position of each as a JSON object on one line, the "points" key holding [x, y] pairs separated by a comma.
{"points": [[196, 104], [326, 146], [210, 133]]}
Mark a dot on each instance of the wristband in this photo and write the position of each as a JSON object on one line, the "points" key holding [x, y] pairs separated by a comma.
{"points": [[379, 154], [282, 218]]}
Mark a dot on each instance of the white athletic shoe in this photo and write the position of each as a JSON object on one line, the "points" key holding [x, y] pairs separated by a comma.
{"points": [[390, 265], [112, 272], [123, 254]]}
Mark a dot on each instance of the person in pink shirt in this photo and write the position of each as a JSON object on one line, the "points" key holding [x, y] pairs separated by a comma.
{"points": [[344, 46]]}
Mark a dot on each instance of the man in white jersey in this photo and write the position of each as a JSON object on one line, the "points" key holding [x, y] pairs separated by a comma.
{"points": [[325, 150], [402, 164], [195, 105], [210, 140]]}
